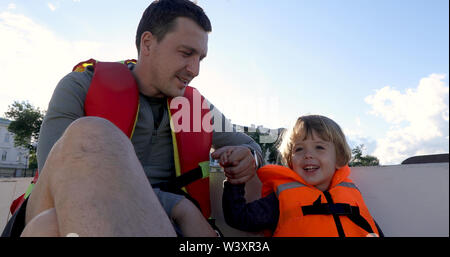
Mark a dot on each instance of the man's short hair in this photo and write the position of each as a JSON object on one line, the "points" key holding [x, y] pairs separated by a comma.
{"points": [[160, 15]]}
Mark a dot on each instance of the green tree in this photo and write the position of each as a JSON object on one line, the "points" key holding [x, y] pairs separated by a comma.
{"points": [[359, 160], [26, 123]]}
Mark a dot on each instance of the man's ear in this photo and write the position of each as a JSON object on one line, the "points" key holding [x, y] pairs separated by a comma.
{"points": [[147, 41]]}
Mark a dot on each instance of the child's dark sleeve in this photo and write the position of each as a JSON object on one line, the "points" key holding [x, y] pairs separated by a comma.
{"points": [[255, 216]]}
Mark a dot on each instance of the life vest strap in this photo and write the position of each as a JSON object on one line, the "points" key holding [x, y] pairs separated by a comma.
{"points": [[176, 184], [361, 222], [326, 208], [335, 209], [201, 171]]}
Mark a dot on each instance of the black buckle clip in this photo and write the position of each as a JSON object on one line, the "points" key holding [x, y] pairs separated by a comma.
{"points": [[339, 208]]}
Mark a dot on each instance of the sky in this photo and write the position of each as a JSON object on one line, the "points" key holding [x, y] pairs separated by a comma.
{"points": [[379, 68]]}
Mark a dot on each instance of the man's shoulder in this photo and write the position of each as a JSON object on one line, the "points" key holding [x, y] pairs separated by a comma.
{"points": [[82, 79]]}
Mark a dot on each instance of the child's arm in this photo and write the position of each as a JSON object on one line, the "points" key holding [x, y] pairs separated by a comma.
{"points": [[255, 216], [190, 220]]}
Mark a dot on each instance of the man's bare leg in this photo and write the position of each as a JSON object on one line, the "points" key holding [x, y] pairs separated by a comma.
{"points": [[45, 224], [191, 221], [95, 183]]}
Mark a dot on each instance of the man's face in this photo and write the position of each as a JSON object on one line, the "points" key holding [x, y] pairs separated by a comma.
{"points": [[175, 60], [314, 159]]}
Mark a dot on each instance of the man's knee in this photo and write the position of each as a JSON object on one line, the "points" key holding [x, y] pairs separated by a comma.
{"points": [[89, 136], [94, 129], [90, 146], [44, 224], [91, 123]]}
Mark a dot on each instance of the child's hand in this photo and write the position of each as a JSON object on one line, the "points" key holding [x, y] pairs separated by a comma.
{"points": [[224, 158], [224, 162], [238, 162]]}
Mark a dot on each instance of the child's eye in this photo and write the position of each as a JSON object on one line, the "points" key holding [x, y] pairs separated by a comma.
{"points": [[320, 147], [298, 149]]}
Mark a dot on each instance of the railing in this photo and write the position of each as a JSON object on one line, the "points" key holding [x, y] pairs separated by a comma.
{"points": [[8, 173]]}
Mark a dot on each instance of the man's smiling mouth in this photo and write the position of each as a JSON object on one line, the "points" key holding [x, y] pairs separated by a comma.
{"points": [[184, 81]]}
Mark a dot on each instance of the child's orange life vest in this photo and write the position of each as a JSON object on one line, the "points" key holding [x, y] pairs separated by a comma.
{"points": [[305, 211]]}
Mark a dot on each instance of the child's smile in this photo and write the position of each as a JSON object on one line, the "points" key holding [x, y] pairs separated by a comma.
{"points": [[310, 168], [314, 159]]}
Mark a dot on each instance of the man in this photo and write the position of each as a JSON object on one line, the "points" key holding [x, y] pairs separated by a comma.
{"points": [[93, 180]]}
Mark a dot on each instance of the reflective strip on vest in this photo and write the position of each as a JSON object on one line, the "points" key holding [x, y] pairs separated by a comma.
{"points": [[174, 144], [289, 185], [348, 184], [29, 189], [205, 168]]}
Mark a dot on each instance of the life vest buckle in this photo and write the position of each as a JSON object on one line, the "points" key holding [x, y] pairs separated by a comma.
{"points": [[340, 208], [327, 209]]}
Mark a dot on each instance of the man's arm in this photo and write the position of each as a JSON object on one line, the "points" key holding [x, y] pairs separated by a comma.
{"points": [[238, 153], [65, 106], [225, 134]]}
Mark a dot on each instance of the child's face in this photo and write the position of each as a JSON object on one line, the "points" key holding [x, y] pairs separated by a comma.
{"points": [[314, 160]]}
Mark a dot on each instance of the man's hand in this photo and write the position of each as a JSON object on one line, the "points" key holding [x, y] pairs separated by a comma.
{"points": [[238, 162]]}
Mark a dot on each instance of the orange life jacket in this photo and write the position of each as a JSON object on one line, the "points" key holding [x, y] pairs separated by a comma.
{"points": [[305, 211], [113, 95]]}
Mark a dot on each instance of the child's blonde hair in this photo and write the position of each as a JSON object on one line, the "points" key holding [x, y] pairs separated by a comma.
{"points": [[326, 128]]}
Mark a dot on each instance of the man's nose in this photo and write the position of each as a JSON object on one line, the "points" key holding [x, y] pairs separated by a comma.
{"points": [[193, 67]]}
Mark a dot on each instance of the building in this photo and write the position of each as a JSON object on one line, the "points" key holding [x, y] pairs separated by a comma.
{"points": [[13, 160]]}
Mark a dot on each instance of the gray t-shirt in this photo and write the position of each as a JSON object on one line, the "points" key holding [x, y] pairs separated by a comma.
{"points": [[152, 141]]}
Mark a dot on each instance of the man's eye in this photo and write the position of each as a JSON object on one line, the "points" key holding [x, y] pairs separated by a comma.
{"points": [[186, 54]]}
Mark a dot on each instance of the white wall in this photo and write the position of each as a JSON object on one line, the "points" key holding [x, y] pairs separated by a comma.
{"points": [[407, 200]]}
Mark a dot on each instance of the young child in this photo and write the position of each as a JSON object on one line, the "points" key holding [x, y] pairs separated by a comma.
{"points": [[312, 196]]}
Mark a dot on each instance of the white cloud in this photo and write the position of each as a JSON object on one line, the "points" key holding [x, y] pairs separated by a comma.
{"points": [[34, 59], [358, 121], [11, 6], [418, 119], [356, 135], [51, 6], [356, 130]]}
